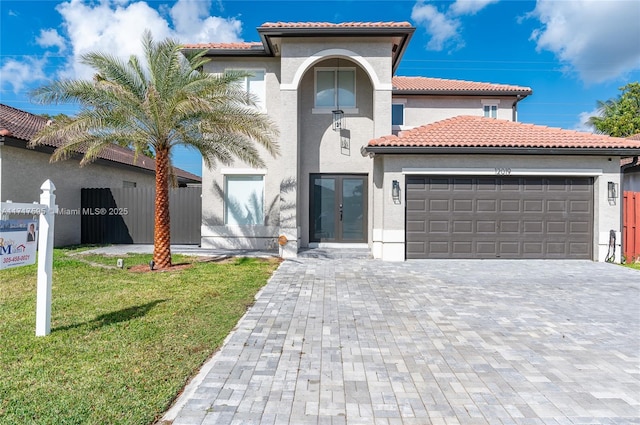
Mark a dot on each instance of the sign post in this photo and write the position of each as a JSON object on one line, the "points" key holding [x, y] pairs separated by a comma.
{"points": [[24, 252], [45, 259]]}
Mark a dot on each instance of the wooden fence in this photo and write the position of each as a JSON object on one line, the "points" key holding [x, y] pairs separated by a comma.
{"points": [[631, 226]]}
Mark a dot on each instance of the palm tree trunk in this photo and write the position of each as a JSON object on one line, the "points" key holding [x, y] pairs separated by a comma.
{"points": [[162, 225]]}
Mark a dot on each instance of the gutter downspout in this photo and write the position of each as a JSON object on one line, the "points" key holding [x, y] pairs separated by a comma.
{"points": [[514, 108]]}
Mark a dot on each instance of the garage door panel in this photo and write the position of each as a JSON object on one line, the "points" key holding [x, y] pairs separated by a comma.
{"points": [[510, 205], [509, 227], [532, 185], [439, 205], [439, 184], [557, 227], [505, 217], [462, 184], [534, 206], [441, 247], [533, 227], [462, 205], [439, 226], [579, 248], [462, 226], [556, 206], [415, 226], [509, 249], [486, 248], [580, 227], [461, 248], [579, 207], [532, 249], [487, 184], [486, 205]]}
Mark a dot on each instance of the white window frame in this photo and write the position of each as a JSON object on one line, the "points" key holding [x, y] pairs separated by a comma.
{"points": [[231, 174], [403, 103], [348, 109], [260, 94], [490, 108]]}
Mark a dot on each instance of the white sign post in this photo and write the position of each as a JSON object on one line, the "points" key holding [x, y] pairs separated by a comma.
{"points": [[47, 209]]}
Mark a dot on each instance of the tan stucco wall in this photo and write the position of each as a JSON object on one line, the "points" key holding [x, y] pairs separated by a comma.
{"points": [[421, 110], [24, 171], [388, 240]]}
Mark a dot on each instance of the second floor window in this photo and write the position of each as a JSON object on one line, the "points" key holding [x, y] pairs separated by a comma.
{"points": [[335, 88], [397, 114], [255, 85], [490, 111]]}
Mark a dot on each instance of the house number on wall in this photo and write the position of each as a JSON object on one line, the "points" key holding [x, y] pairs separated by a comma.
{"points": [[503, 171]]}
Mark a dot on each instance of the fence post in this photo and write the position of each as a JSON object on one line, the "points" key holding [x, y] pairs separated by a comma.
{"points": [[45, 259]]}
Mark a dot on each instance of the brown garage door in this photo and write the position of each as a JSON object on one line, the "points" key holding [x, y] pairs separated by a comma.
{"points": [[499, 217]]}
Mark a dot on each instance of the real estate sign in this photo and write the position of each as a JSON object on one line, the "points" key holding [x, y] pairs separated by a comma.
{"points": [[18, 243]]}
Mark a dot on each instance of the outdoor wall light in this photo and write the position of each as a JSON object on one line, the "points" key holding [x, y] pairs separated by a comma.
{"points": [[395, 191], [338, 119], [612, 191]]}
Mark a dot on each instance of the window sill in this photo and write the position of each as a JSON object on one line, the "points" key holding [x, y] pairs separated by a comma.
{"points": [[347, 111]]}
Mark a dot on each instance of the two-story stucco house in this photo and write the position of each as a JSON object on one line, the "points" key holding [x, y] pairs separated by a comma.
{"points": [[409, 167]]}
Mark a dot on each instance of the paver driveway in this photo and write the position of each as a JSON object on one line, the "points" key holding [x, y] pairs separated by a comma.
{"points": [[429, 342]]}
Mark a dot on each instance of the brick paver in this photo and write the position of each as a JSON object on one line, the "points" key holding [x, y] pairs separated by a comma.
{"points": [[351, 341]]}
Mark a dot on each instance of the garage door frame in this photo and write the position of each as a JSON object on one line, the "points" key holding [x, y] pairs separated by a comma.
{"points": [[586, 176]]}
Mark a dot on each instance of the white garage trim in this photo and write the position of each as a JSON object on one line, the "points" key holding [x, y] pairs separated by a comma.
{"points": [[504, 171]]}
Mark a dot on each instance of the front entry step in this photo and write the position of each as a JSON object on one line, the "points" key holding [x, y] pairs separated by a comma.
{"points": [[336, 253]]}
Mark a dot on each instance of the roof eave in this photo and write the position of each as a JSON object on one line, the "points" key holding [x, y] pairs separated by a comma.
{"points": [[522, 93], [405, 34], [396, 150], [234, 52]]}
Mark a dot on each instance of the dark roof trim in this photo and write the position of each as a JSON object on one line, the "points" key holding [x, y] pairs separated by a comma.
{"points": [[410, 150]]}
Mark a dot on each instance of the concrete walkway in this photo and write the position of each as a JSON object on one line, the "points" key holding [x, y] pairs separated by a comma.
{"points": [[352, 341]]}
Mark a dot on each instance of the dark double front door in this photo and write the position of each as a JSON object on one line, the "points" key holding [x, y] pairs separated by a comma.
{"points": [[338, 208]]}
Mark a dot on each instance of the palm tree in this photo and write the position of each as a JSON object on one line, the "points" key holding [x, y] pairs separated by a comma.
{"points": [[168, 102]]}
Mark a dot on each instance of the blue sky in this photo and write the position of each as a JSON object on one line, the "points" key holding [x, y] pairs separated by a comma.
{"points": [[572, 53]]}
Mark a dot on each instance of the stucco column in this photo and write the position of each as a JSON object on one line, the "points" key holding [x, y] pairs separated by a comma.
{"points": [[388, 236], [289, 205]]}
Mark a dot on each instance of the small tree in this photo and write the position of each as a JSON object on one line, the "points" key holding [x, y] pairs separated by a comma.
{"points": [[619, 117], [155, 107]]}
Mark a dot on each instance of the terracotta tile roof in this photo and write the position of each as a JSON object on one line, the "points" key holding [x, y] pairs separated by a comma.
{"points": [[434, 85], [336, 25], [226, 46], [480, 132], [634, 137], [23, 125]]}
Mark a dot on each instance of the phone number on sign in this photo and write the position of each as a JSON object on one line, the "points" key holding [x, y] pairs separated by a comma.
{"points": [[15, 258]]}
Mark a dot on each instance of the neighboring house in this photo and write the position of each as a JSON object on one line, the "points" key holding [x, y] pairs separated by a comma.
{"points": [[23, 170], [410, 167], [631, 170]]}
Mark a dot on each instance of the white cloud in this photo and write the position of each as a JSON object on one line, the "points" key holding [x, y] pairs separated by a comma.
{"points": [[116, 27], [470, 7], [598, 39], [444, 26], [194, 25], [583, 121], [20, 74], [442, 29], [51, 38]]}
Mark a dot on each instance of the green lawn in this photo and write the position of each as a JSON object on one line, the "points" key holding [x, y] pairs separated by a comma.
{"points": [[123, 343]]}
